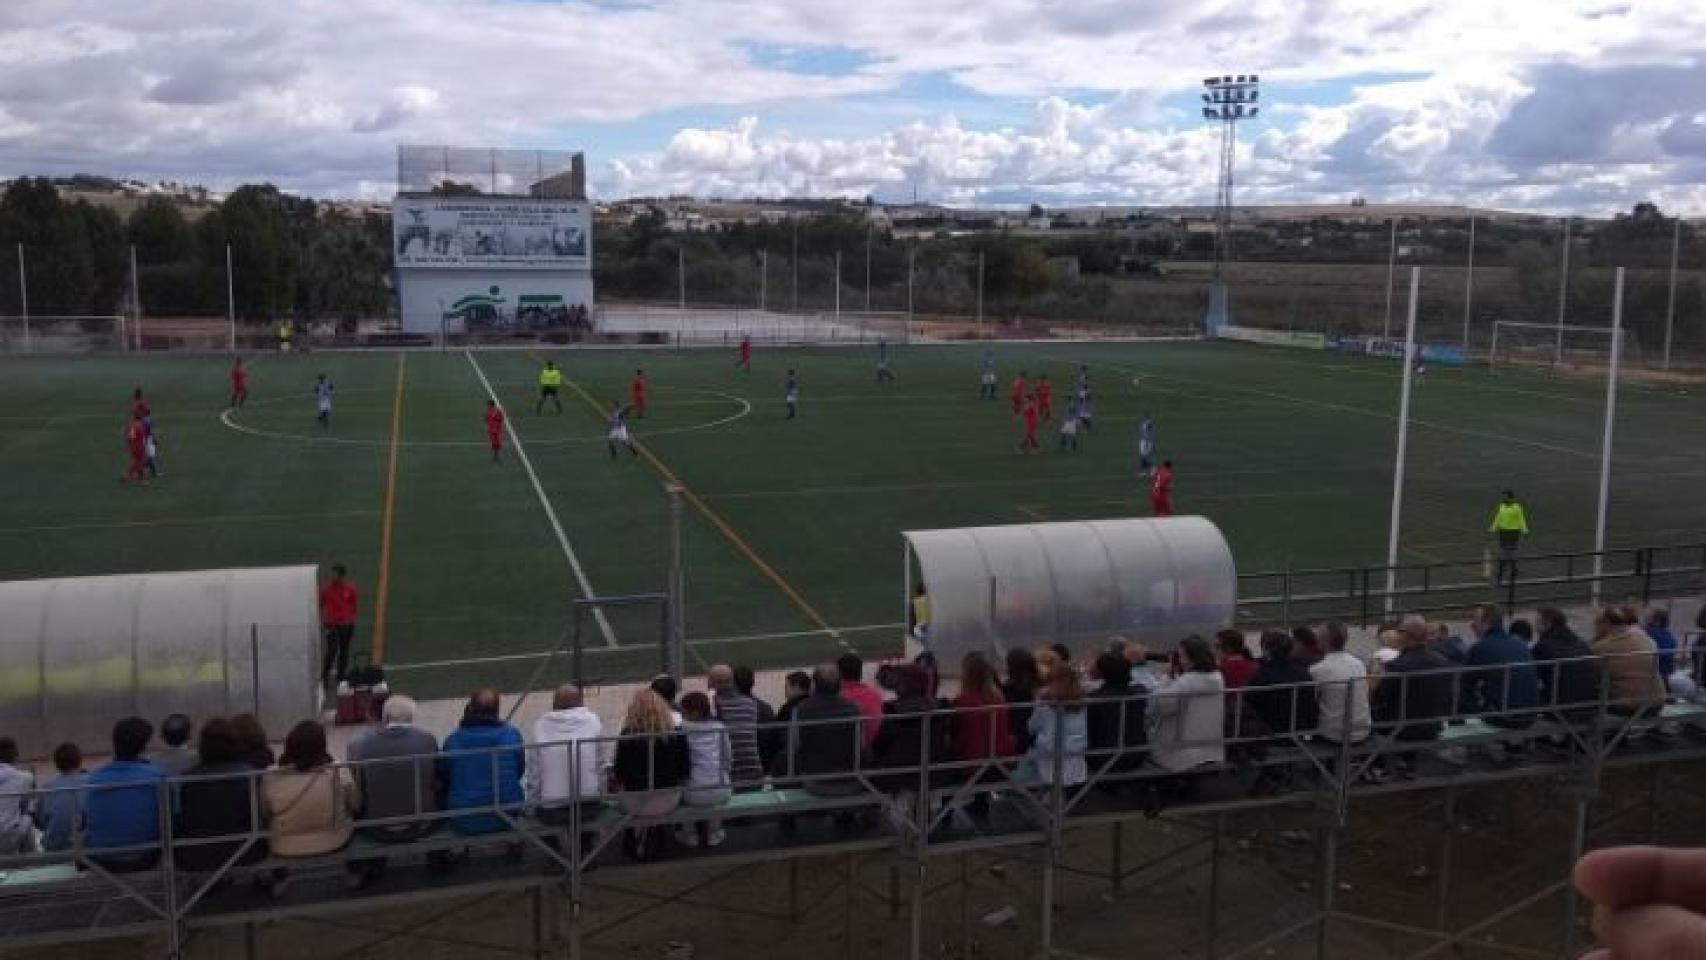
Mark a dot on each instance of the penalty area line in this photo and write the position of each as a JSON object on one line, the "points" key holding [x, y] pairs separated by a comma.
{"points": [[544, 501]]}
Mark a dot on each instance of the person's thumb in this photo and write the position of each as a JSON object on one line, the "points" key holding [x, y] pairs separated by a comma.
{"points": [[1654, 932]]}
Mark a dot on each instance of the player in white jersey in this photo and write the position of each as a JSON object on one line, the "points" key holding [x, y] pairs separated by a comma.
{"points": [[619, 430], [1069, 427], [986, 387], [1086, 406], [323, 401], [1146, 446]]}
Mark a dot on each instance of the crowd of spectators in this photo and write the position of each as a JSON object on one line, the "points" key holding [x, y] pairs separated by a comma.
{"points": [[1048, 720]]}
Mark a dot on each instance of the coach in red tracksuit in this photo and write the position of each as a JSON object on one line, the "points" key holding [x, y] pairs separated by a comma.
{"points": [[337, 619]]}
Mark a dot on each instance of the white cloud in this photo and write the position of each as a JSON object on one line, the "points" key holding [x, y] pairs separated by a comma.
{"points": [[1459, 99]]}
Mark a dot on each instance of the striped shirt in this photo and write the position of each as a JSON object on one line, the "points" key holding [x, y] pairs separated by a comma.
{"points": [[740, 714]]}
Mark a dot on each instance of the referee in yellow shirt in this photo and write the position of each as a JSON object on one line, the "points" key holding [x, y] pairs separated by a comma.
{"points": [[550, 382], [1510, 525]]}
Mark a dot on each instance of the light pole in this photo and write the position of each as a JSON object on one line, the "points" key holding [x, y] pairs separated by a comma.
{"points": [[1563, 296], [1226, 99], [1391, 265], [1670, 301], [1469, 288]]}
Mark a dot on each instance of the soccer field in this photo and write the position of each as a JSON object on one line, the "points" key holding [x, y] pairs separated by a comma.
{"points": [[793, 526]]}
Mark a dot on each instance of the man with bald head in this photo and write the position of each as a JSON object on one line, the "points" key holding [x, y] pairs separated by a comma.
{"points": [[565, 768], [474, 780]]}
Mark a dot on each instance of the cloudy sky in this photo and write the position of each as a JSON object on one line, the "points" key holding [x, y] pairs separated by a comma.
{"points": [[1555, 105]]}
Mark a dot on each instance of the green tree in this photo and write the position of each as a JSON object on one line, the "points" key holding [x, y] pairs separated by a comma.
{"points": [[159, 232]]}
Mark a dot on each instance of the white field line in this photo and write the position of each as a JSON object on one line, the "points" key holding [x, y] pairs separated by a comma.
{"points": [[695, 642], [544, 501], [1345, 408]]}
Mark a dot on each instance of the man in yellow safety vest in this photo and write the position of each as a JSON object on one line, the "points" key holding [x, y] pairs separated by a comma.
{"points": [[1510, 525]]}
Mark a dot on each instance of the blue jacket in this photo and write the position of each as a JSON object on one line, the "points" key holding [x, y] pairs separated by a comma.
{"points": [[1666, 642], [468, 779], [59, 816], [127, 816], [1490, 691]]}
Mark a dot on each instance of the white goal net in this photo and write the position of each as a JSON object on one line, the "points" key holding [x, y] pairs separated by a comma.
{"points": [[1532, 345], [62, 334]]}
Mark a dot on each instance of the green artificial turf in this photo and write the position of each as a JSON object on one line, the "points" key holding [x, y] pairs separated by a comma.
{"points": [[1289, 452]]}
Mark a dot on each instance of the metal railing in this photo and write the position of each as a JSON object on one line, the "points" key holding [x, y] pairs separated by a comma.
{"points": [[1359, 594], [1050, 783]]}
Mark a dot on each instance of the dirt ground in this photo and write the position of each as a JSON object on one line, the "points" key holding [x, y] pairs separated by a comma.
{"points": [[1508, 843]]}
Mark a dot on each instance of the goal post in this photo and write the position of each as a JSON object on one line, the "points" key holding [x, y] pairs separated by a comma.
{"points": [[1520, 343], [56, 333]]}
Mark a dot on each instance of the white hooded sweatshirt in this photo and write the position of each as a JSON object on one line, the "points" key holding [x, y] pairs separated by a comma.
{"points": [[572, 736]]}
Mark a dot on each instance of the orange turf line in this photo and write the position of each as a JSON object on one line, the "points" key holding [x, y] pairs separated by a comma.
{"points": [[727, 531], [382, 592]]}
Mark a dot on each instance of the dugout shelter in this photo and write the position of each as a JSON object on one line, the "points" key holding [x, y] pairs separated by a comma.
{"points": [[77, 653], [1080, 583]]}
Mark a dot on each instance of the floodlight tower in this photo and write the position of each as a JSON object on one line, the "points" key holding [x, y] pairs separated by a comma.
{"points": [[1226, 99]]}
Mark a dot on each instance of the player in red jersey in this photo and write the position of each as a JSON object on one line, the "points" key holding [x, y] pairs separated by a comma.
{"points": [[1028, 444], [637, 395], [239, 383], [135, 441], [495, 429], [745, 358], [139, 404], [1045, 398], [1019, 385], [1161, 491]]}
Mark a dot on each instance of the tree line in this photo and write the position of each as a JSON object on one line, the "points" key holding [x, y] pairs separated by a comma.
{"points": [[291, 256]]}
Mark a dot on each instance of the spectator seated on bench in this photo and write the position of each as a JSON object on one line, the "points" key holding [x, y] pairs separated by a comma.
{"points": [[569, 771], [1190, 718], [122, 808], [309, 802], [1411, 693], [651, 766], [480, 780], [216, 801], [710, 762], [1506, 682]]}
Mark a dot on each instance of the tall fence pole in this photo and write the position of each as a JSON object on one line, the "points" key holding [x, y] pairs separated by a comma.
{"points": [[1391, 265], [135, 300], [867, 264], [23, 297], [1563, 296], [1605, 440], [980, 293], [763, 277], [911, 272], [838, 284], [795, 261], [1469, 289], [1670, 301], [675, 655], [1403, 441], [230, 298], [681, 278]]}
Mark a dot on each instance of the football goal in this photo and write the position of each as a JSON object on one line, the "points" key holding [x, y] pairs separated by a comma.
{"points": [[62, 334], [1518, 343]]}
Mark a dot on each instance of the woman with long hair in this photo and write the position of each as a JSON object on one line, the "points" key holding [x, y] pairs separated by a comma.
{"points": [[1059, 727], [650, 767]]}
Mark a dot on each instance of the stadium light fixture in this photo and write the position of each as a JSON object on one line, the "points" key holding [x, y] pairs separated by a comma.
{"points": [[1227, 99]]}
